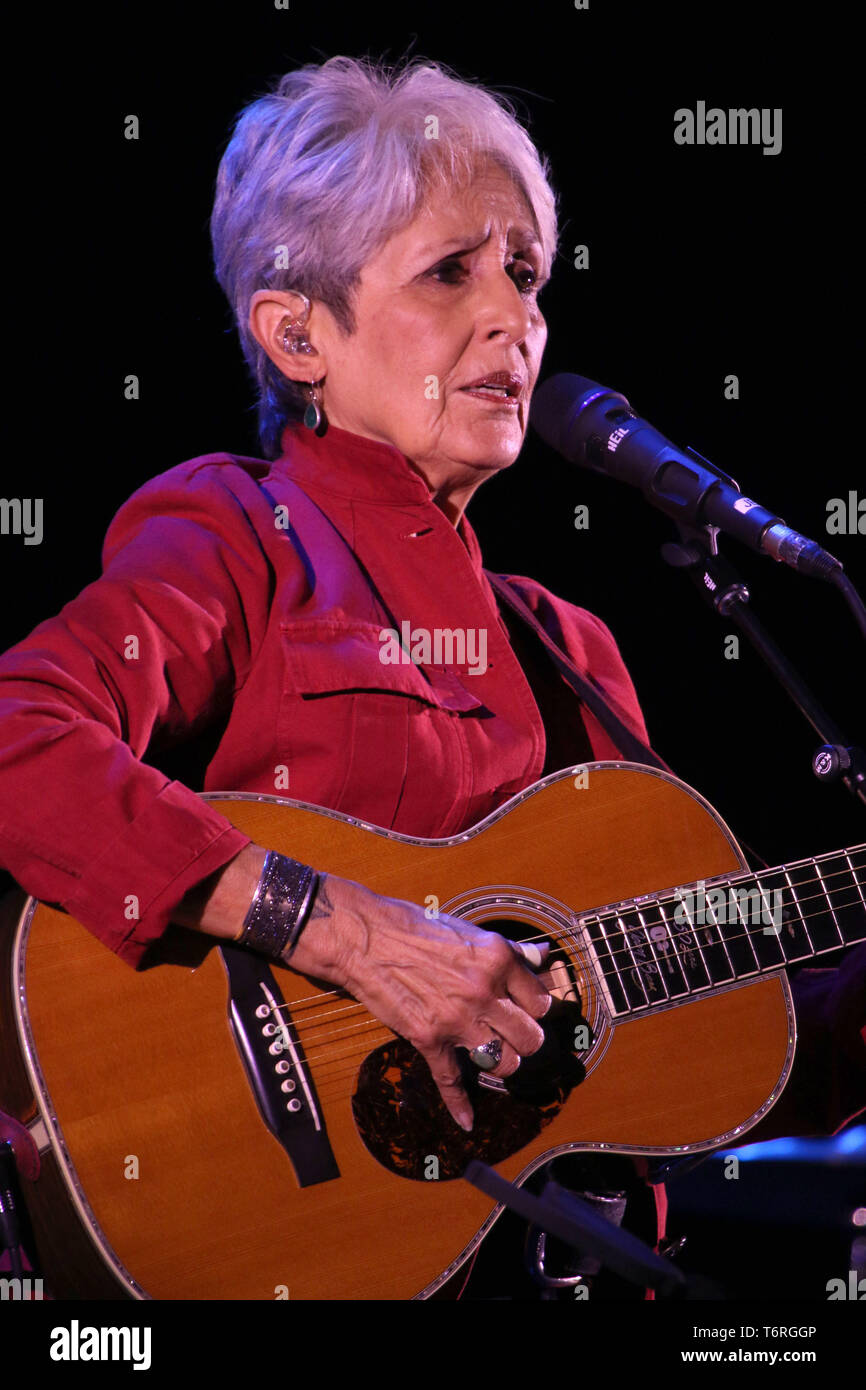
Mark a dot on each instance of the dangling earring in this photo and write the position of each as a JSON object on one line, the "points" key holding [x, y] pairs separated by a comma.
{"points": [[314, 416]]}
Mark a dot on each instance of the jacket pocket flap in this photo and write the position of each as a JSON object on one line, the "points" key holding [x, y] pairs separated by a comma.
{"points": [[336, 658]]}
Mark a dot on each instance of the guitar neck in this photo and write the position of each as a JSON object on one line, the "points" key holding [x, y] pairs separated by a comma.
{"points": [[662, 948]]}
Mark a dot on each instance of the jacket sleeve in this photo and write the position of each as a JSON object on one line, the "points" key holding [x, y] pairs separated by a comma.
{"points": [[158, 646]]}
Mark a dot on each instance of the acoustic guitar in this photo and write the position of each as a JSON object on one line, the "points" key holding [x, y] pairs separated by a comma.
{"points": [[215, 1126]]}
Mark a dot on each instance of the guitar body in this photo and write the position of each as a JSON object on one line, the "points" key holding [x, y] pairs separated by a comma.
{"points": [[160, 1154]]}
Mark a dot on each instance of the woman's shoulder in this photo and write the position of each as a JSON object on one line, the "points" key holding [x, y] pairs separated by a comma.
{"points": [[222, 493], [221, 472]]}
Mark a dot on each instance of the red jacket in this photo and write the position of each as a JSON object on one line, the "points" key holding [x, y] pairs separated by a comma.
{"points": [[252, 598]]}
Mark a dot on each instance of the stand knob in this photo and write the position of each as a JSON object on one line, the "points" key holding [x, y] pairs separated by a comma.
{"points": [[830, 761]]}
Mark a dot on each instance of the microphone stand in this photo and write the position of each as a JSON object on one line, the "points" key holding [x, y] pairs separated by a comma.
{"points": [[577, 1224], [722, 588]]}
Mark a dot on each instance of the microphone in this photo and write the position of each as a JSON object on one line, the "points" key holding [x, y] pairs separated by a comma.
{"points": [[595, 427]]}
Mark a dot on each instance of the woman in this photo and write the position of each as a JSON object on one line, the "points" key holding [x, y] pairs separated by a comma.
{"points": [[382, 240], [392, 279]]}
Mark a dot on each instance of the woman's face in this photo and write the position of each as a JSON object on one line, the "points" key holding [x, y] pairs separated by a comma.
{"points": [[449, 301]]}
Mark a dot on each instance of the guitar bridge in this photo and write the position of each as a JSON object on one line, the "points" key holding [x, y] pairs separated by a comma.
{"points": [[276, 1067]]}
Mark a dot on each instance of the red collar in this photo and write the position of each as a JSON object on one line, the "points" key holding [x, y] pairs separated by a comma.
{"points": [[364, 470], [352, 466]]}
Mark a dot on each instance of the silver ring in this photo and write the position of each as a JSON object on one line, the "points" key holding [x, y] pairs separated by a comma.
{"points": [[488, 1055]]}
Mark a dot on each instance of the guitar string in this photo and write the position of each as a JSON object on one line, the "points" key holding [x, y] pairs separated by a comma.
{"points": [[662, 899], [690, 925], [793, 921], [325, 1074], [310, 1023]]}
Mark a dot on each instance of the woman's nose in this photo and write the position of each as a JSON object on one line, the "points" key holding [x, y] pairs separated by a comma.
{"points": [[501, 307]]}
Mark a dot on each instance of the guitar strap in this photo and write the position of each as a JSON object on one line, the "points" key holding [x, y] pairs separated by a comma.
{"points": [[586, 687]]}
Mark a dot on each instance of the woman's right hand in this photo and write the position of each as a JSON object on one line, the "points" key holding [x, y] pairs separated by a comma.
{"points": [[440, 983]]}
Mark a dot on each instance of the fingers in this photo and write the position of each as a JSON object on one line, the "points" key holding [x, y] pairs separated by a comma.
{"points": [[520, 998], [445, 1070], [510, 1020], [504, 1021], [525, 988], [517, 1030]]}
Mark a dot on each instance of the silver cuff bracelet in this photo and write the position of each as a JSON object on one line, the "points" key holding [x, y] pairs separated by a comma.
{"points": [[281, 904]]}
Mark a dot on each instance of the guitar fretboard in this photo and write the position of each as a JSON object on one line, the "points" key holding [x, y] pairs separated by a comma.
{"points": [[665, 947]]}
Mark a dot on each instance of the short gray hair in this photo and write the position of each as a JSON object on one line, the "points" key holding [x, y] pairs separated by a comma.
{"points": [[321, 171]]}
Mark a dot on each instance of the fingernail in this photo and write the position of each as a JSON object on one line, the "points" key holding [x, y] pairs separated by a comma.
{"points": [[532, 953]]}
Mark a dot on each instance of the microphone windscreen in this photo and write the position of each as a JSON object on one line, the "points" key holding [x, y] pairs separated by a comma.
{"points": [[555, 407]]}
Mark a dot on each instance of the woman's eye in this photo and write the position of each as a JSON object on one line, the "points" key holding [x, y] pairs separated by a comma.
{"points": [[449, 272], [454, 272], [524, 276]]}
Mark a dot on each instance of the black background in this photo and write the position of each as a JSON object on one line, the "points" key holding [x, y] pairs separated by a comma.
{"points": [[704, 261]]}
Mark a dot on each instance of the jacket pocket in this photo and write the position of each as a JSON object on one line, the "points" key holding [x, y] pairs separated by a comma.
{"points": [[351, 724]]}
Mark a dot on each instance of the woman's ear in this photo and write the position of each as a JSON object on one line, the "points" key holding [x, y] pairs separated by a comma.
{"points": [[279, 322]]}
